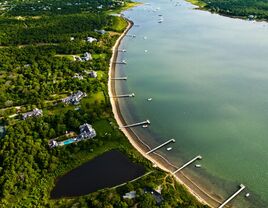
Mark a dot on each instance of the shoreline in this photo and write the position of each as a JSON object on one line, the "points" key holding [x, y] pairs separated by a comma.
{"points": [[223, 13], [139, 145]]}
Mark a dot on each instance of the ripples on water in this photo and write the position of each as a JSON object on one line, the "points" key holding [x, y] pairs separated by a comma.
{"points": [[208, 77]]}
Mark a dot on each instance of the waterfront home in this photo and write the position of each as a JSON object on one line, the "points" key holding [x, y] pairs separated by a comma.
{"points": [[36, 112], [86, 132], [74, 98], [157, 196], [91, 39], [87, 57], [251, 17], [52, 143], [130, 195]]}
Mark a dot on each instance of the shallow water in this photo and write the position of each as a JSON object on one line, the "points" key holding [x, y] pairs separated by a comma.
{"points": [[208, 77]]}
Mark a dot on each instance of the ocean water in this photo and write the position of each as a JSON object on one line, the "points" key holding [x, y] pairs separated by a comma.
{"points": [[208, 79]]}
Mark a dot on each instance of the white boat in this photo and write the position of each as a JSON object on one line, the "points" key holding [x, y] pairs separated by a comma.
{"points": [[145, 38], [149, 99], [247, 194], [144, 126], [169, 148], [145, 51], [198, 166]]}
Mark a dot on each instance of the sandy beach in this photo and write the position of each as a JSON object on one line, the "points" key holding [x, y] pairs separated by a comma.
{"points": [[138, 144]]}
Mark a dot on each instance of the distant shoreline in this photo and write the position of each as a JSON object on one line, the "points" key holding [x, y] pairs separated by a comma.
{"points": [[200, 5], [138, 144]]}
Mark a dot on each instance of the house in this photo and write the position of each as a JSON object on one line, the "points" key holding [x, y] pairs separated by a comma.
{"points": [[78, 76], [91, 39], [130, 195], [53, 143], [87, 57], [251, 17], [86, 132], [157, 196], [74, 98], [36, 112], [93, 74], [77, 58], [100, 31]]}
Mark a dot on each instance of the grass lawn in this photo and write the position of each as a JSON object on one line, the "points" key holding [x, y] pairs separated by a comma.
{"points": [[127, 6], [118, 24], [97, 97], [70, 57]]}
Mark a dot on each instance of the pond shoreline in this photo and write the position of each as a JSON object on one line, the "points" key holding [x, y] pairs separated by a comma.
{"points": [[95, 175]]}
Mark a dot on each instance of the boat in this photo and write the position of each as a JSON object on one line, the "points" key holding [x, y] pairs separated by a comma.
{"points": [[144, 126], [169, 148], [247, 195], [144, 37], [198, 166], [160, 20], [149, 99], [145, 51]]}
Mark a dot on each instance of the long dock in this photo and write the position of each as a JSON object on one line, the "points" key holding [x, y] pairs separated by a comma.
{"points": [[242, 187], [121, 62], [119, 78], [161, 145], [125, 95], [132, 36], [136, 124], [199, 157]]}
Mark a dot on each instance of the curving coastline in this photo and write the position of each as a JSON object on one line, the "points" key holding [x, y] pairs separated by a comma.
{"points": [[140, 145]]}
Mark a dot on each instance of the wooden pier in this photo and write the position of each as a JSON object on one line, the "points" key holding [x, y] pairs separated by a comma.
{"points": [[132, 36], [136, 124], [125, 95], [241, 188], [121, 62], [119, 78], [199, 157], [161, 145]]}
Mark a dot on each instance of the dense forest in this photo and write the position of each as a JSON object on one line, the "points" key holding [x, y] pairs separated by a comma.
{"points": [[38, 42], [250, 9]]}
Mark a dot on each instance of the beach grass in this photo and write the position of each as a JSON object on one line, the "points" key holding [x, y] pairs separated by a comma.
{"points": [[127, 6], [198, 3]]}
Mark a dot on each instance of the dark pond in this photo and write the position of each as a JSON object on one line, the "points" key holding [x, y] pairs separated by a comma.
{"points": [[108, 170]]}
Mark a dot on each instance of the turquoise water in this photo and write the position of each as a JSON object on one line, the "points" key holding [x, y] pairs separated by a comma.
{"points": [[208, 77], [69, 141]]}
